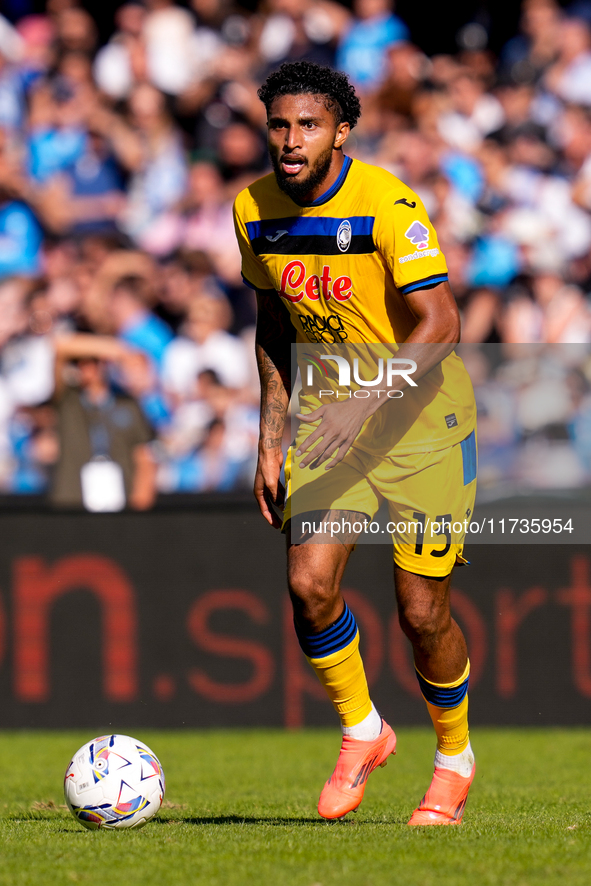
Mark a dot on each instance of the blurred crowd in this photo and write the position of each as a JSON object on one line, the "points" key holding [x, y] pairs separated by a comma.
{"points": [[124, 323], [534, 417]]}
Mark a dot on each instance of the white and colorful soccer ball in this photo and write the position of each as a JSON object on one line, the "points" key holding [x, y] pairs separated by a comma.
{"points": [[114, 781]]}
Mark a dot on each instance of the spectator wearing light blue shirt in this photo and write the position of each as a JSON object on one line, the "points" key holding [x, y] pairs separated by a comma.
{"points": [[362, 51], [134, 323], [20, 240], [57, 135]]}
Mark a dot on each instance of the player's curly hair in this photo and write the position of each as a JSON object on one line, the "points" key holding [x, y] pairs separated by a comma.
{"points": [[301, 78]]}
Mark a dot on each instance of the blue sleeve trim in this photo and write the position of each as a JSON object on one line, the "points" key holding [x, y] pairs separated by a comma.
{"points": [[443, 696], [248, 283], [423, 284]]}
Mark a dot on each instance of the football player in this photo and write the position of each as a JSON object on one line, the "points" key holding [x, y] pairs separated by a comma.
{"points": [[340, 251]]}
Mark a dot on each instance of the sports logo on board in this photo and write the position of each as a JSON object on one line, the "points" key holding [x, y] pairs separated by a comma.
{"points": [[418, 235], [344, 235]]}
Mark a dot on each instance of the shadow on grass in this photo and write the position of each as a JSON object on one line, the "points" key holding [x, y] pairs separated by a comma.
{"points": [[274, 821], [277, 821], [203, 821]]}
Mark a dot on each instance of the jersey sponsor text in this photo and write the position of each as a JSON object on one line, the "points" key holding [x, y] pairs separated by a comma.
{"points": [[294, 275]]}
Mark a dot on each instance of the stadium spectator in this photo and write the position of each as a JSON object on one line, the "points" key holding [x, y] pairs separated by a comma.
{"points": [[186, 272], [209, 215], [473, 114], [60, 256], [555, 312], [122, 161], [57, 129], [122, 61], [167, 32], [362, 49], [27, 354], [297, 29], [75, 29], [159, 172], [212, 442], [88, 196], [527, 55], [37, 54], [205, 345], [133, 322], [392, 103], [228, 94], [570, 76], [105, 461], [12, 91]]}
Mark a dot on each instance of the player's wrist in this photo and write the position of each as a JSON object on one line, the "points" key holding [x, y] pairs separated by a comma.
{"points": [[368, 406], [270, 448]]}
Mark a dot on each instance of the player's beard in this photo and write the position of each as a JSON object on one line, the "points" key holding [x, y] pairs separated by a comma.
{"points": [[298, 189]]}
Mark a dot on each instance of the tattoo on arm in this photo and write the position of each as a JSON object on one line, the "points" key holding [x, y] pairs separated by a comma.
{"points": [[273, 351]]}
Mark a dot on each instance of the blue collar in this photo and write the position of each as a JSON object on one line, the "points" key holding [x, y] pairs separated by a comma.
{"points": [[328, 195]]}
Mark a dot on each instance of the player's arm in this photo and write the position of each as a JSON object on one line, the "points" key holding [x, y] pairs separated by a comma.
{"points": [[437, 325], [438, 322], [274, 335]]}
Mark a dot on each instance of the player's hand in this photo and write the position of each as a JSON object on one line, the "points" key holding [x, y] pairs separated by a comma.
{"points": [[340, 424], [268, 489]]}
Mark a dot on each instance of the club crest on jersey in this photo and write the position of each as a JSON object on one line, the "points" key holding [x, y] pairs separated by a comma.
{"points": [[418, 235], [344, 235]]}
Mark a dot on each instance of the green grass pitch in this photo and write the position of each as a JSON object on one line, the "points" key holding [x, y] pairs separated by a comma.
{"points": [[240, 811]]}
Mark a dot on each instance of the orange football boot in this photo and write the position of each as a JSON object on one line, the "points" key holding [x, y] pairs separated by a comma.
{"points": [[343, 792], [445, 800]]}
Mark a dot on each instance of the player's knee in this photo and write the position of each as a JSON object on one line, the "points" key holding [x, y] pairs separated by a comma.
{"points": [[312, 596], [423, 622]]}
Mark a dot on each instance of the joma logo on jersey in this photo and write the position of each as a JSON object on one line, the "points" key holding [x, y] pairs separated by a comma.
{"points": [[294, 276]]}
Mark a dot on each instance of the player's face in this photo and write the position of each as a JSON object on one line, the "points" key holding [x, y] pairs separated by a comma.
{"points": [[304, 140]]}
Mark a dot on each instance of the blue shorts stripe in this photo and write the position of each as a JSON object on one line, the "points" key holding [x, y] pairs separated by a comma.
{"points": [[469, 458], [443, 696], [337, 636]]}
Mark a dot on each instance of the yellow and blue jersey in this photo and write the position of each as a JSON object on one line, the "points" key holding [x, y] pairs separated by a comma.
{"points": [[349, 257], [342, 266]]}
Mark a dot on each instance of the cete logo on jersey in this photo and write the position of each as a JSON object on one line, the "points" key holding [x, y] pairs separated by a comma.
{"points": [[294, 275], [344, 235], [418, 235]]}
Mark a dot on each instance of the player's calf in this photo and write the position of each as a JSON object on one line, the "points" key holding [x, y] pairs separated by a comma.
{"points": [[333, 652], [367, 740]]}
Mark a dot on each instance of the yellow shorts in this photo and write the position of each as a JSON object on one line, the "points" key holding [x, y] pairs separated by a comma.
{"points": [[430, 498]]}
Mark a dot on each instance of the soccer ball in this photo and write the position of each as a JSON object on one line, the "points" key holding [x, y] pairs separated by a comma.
{"points": [[114, 781]]}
